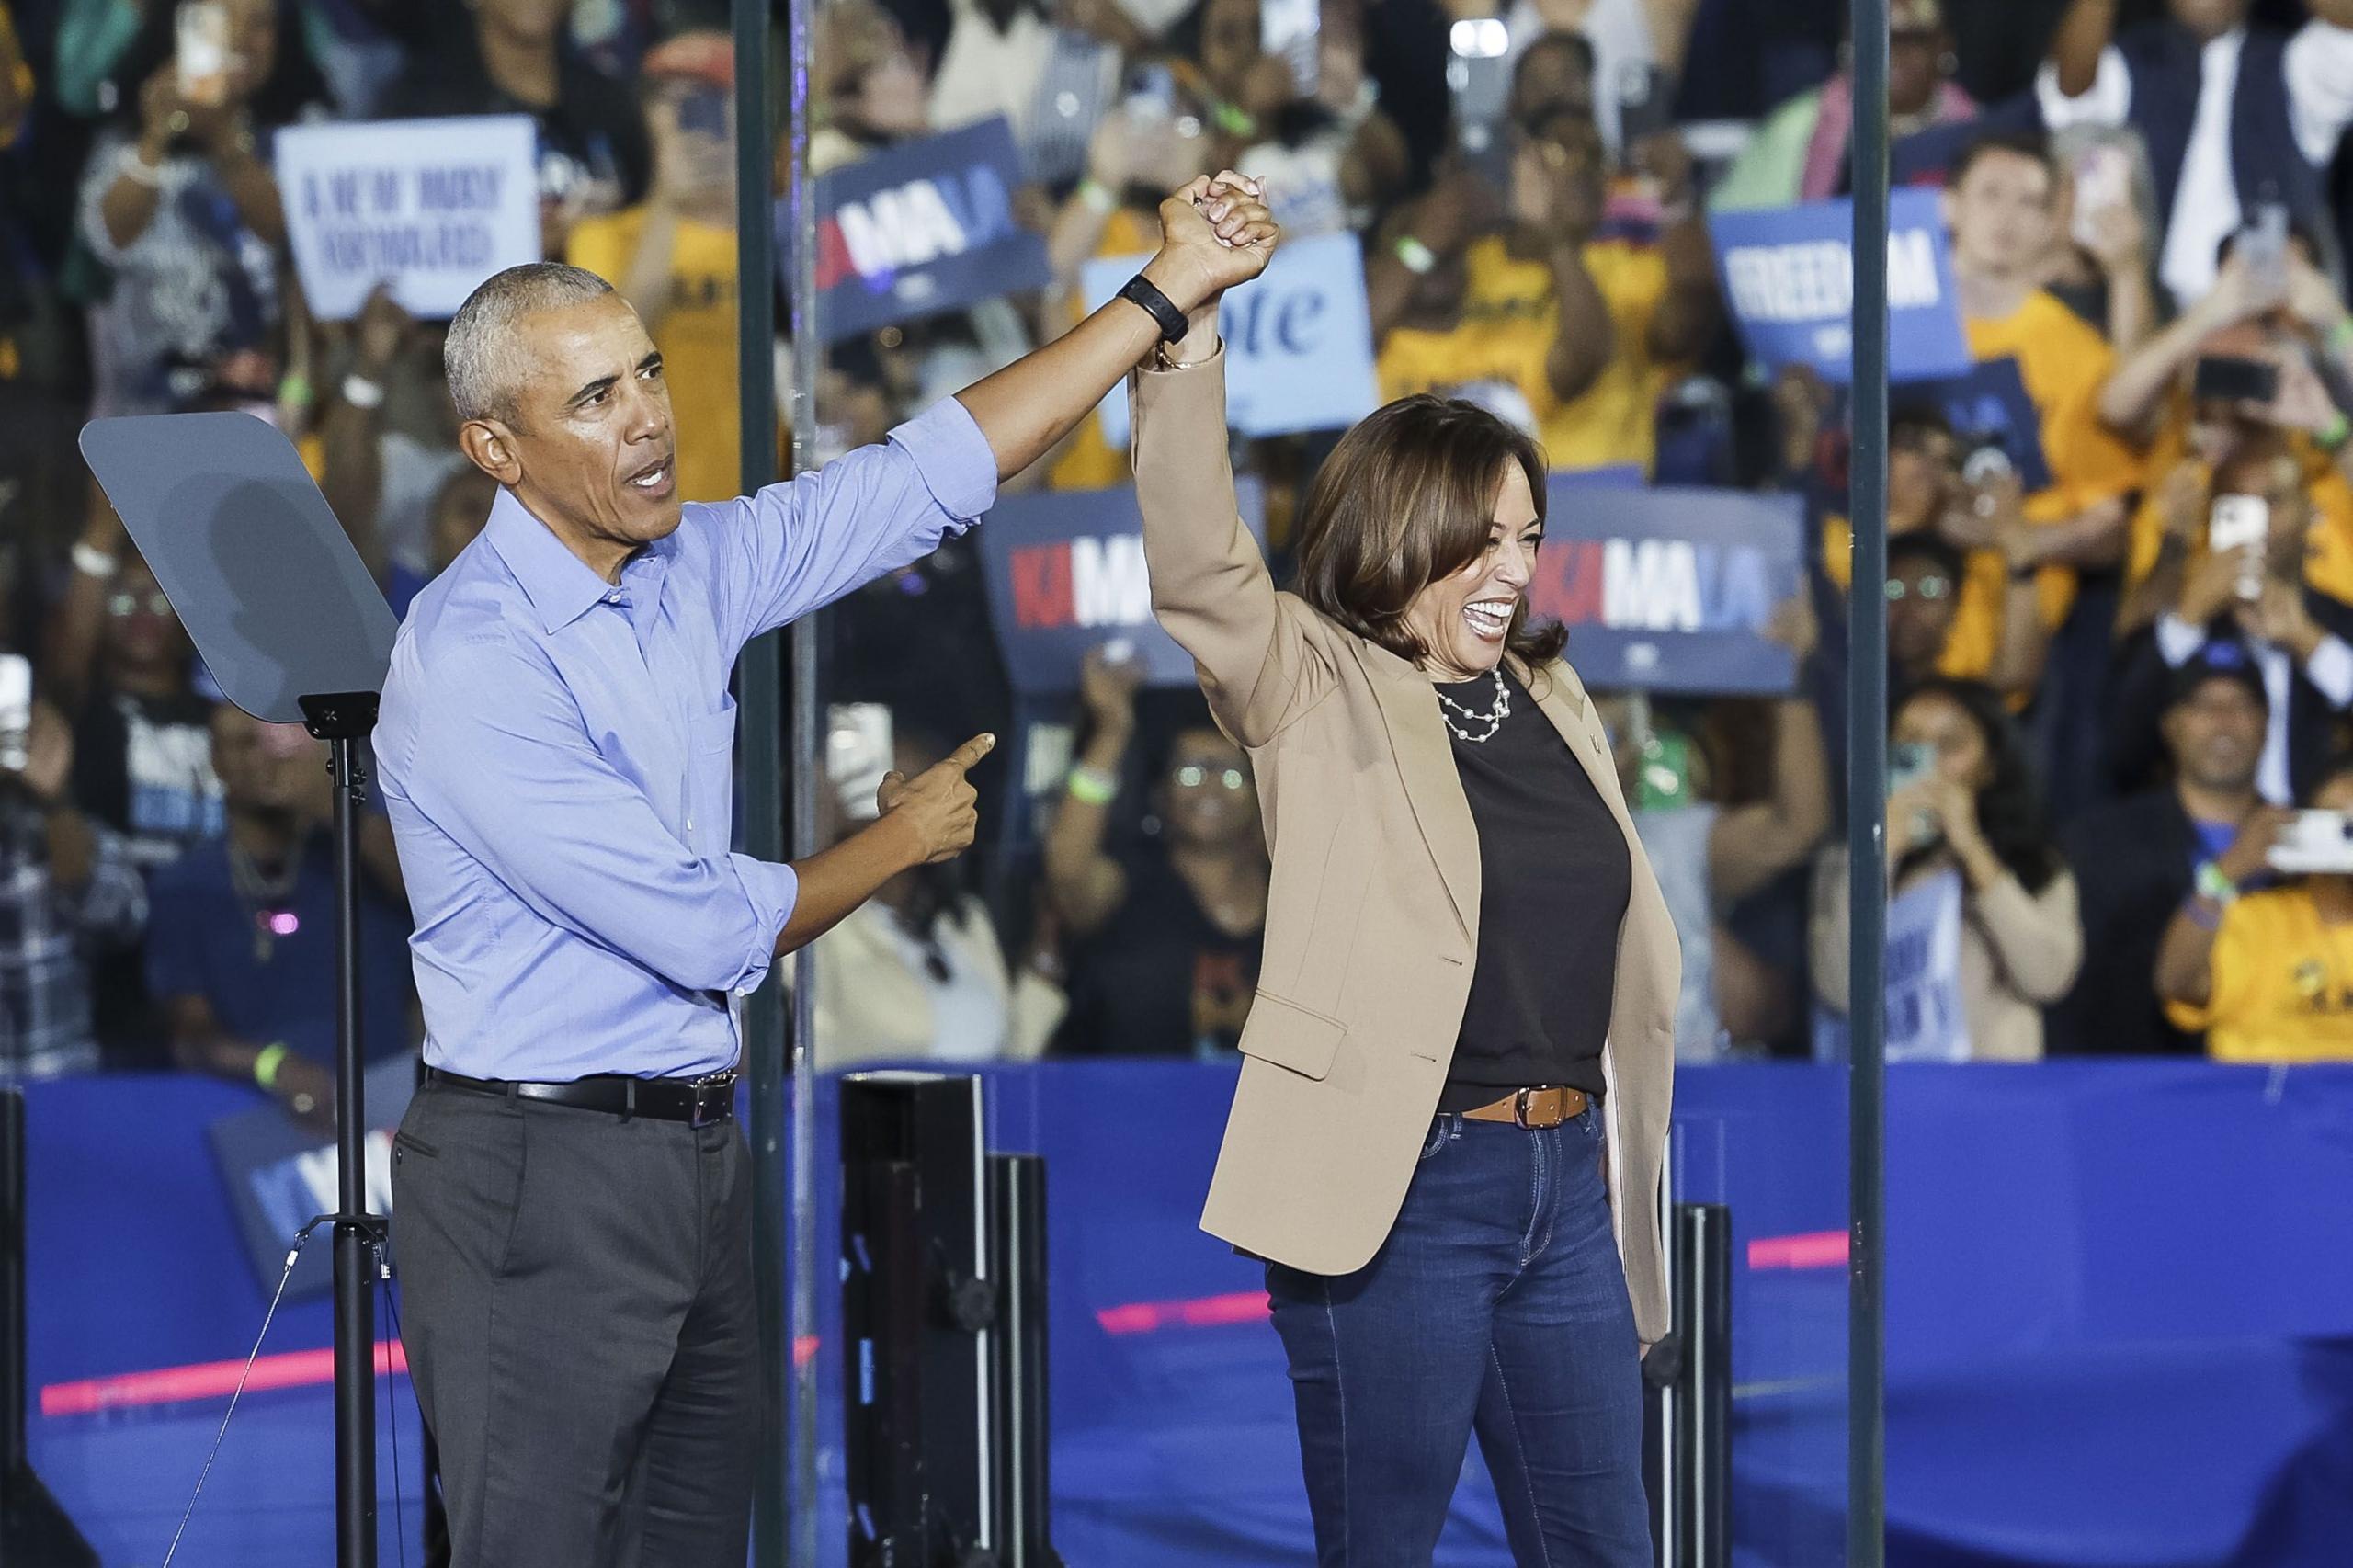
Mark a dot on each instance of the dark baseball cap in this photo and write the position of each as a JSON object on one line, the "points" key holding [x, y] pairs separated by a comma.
{"points": [[2219, 660]]}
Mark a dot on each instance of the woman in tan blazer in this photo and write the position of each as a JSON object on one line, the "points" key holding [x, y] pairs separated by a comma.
{"points": [[1447, 1136]]}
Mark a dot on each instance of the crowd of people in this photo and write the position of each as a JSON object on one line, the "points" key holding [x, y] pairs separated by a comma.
{"points": [[2120, 585]]}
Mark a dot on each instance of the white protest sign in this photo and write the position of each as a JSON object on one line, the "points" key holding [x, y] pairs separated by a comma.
{"points": [[433, 206], [1923, 1016], [1298, 341]]}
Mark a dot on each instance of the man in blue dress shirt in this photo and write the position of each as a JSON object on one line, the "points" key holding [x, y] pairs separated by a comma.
{"points": [[555, 749]]}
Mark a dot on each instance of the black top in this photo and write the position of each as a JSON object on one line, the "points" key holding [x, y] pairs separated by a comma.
{"points": [[1555, 877], [143, 767], [1160, 978], [2133, 861], [594, 147]]}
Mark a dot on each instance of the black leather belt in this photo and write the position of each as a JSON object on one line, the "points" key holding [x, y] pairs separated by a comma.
{"points": [[697, 1102]]}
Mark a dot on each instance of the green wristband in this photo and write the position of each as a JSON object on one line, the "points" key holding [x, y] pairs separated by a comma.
{"points": [[2216, 887], [1091, 787], [2333, 434], [1418, 258], [267, 1062], [2340, 336]]}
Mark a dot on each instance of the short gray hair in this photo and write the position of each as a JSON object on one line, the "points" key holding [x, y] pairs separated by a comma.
{"points": [[477, 354]]}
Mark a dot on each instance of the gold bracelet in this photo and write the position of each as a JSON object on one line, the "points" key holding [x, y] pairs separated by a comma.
{"points": [[1164, 356]]}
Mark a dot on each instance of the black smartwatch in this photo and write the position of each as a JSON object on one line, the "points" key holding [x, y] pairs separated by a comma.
{"points": [[1141, 290]]}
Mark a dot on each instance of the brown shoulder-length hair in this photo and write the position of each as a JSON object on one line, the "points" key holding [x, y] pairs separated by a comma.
{"points": [[1408, 497]]}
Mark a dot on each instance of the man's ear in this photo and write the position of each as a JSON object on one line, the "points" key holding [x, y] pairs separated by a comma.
{"points": [[490, 446]]}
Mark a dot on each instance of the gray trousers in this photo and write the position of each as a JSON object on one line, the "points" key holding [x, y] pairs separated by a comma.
{"points": [[577, 1303]]}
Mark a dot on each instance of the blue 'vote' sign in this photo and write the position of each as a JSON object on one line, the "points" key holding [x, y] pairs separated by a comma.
{"points": [[1298, 341]]}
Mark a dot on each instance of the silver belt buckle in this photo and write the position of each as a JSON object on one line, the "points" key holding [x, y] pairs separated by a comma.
{"points": [[1520, 1103], [714, 1098]]}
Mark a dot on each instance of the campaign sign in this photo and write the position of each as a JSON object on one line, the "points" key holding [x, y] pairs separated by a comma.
{"points": [[1067, 574], [1669, 589], [1923, 1016], [1988, 406], [1789, 276], [281, 1174], [431, 205], [1298, 341], [1609, 476], [917, 230]]}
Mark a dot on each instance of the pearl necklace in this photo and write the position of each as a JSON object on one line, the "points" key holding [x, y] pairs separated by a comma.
{"points": [[1493, 718]]}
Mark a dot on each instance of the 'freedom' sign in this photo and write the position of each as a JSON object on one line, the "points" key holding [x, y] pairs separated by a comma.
{"points": [[1066, 572], [1298, 341], [430, 205], [1669, 589], [919, 230], [1789, 276]]}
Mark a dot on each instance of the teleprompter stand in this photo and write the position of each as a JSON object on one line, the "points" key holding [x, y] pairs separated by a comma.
{"points": [[294, 632]]}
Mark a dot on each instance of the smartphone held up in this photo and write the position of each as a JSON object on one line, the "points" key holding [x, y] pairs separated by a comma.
{"points": [[2315, 842], [2240, 526], [16, 712], [200, 52]]}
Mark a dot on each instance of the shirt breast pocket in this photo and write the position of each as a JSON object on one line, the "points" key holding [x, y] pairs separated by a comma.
{"points": [[710, 780]]}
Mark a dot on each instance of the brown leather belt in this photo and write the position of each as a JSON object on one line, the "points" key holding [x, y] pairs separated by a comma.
{"points": [[1533, 1108]]}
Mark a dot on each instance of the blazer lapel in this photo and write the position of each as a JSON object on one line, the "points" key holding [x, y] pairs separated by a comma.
{"points": [[1425, 761], [1562, 702]]}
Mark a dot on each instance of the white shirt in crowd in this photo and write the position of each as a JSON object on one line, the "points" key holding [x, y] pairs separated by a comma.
{"points": [[2319, 68]]}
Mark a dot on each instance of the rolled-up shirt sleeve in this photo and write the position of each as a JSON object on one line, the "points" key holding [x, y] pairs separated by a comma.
{"points": [[2330, 669], [799, 546], [515, 782], [2319, 68]]}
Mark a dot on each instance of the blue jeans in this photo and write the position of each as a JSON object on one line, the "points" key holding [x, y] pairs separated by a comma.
{"points": [[1498, 1306]]}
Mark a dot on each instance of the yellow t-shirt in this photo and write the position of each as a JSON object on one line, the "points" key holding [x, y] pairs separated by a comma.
{"points": [[1509, 320], [2064, 363], [695, 336], [1090, 461], [2329, 561], [20, 82], [2283, 983], [1977, 617]]}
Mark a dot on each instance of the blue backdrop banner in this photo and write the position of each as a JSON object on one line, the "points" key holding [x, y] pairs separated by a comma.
{"points": [[923, 228], [1667, 589], [1789, 276], [2119, 1321]]}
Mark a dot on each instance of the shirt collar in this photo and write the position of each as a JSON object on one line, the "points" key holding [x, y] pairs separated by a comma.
{"points": [[559, 585]]}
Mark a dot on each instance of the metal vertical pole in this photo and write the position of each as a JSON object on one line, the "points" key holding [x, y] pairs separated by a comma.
{"points": [[808, 775], [1867, 807], [760, 755], [12, 1299], [355, 1246]]}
